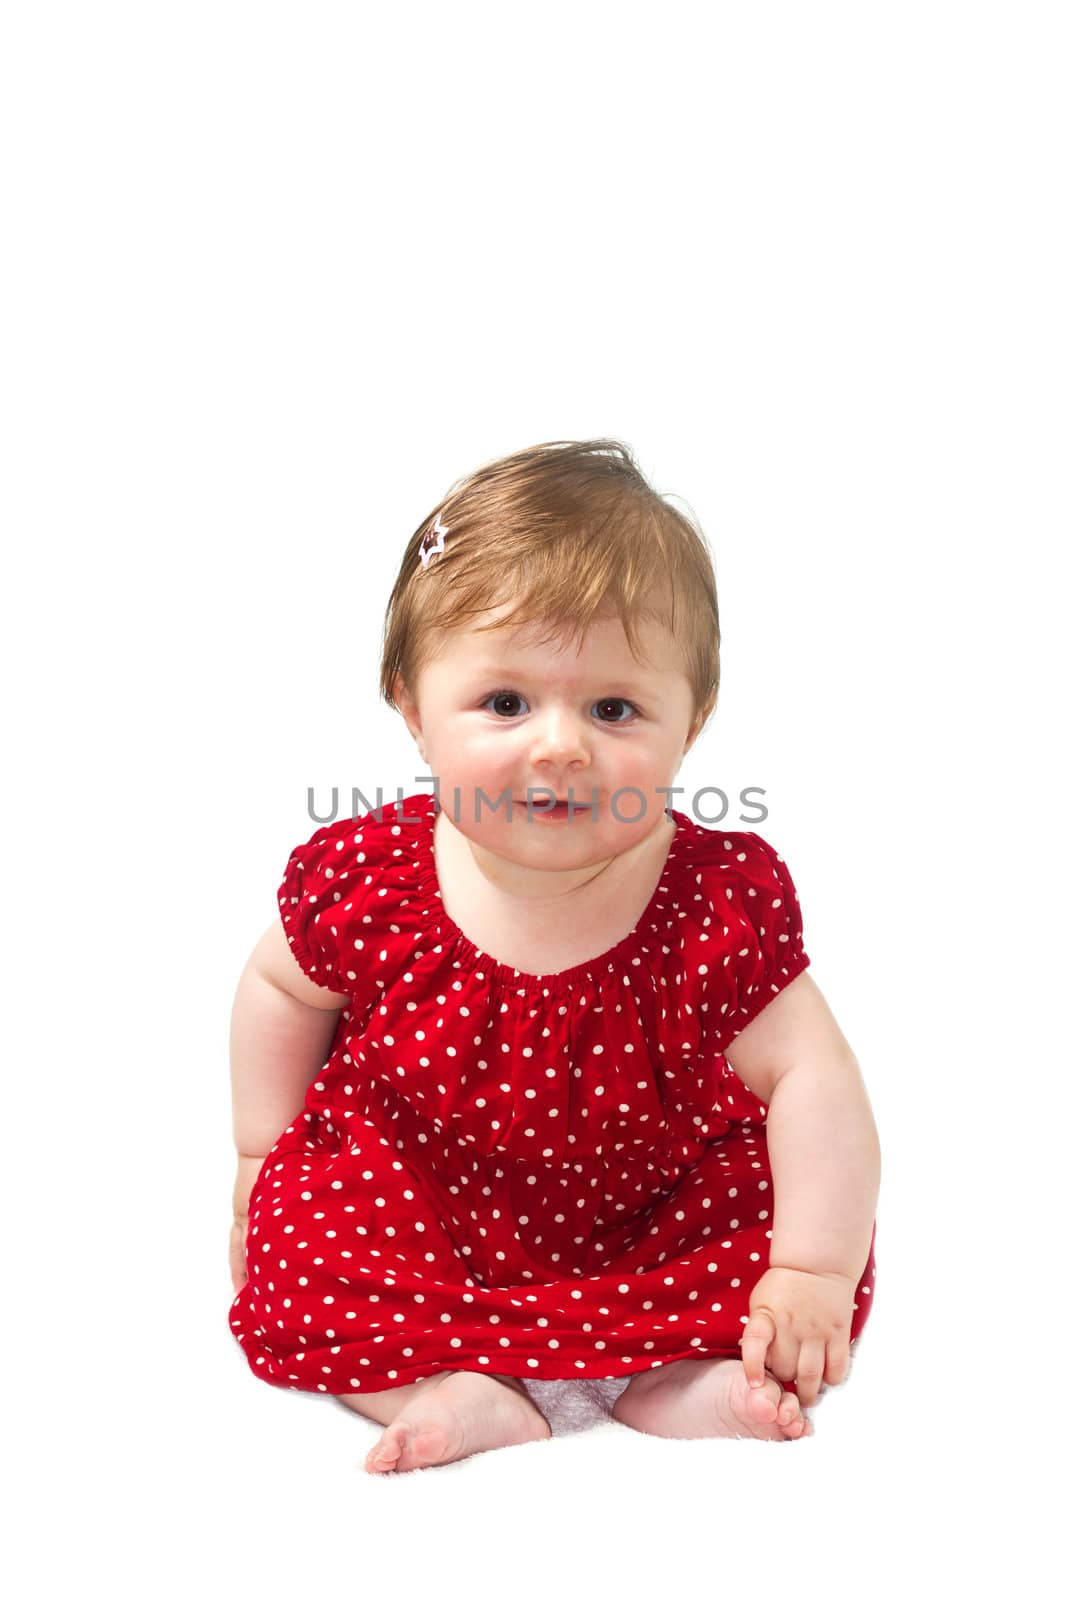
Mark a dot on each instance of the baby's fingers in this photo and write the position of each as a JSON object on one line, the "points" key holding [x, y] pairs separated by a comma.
{"points": [[758, 1335], [838, 1357], [238, 1266], [810, 1364]]}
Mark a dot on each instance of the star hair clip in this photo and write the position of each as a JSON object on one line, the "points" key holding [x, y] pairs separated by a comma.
{"points": [[428, 548]]}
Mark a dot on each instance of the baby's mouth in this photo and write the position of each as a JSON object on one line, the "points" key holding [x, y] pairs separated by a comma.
{"points": [[561, 808]]}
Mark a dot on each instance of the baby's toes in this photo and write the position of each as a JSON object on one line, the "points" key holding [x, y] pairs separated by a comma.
{"points": [[790, 1418], [763, 1402], [386, 1454]]}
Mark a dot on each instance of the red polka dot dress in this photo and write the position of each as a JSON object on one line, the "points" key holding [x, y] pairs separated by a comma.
{"points": [[549, 1177]]}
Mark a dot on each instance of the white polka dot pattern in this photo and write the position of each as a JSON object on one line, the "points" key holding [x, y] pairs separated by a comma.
{"points": [[549, 1176]]}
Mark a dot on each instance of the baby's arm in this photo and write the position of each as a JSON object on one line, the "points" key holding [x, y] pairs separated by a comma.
{"points": [[821, 1137], [826, 1168], [281, 1029]]}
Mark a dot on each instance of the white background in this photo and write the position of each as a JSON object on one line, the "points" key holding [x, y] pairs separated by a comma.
{"points": [[276, 277]]}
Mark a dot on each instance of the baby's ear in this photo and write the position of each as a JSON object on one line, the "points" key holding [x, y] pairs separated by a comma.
{"points": [[408, 709], [699, 720]]}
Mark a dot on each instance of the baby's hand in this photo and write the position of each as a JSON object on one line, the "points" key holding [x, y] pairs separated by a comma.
{"points": [[798, 1326], [247, 1173], [238, 1268]]}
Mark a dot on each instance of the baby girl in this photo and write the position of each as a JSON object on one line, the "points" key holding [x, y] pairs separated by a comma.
{"points": [[530, 1079]]}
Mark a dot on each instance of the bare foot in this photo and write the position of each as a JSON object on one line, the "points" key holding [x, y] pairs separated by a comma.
{"points": [[710, 1400], [463, 1414]]}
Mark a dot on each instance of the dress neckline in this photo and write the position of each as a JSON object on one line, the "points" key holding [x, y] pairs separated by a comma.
{"points": [[501, 973]]}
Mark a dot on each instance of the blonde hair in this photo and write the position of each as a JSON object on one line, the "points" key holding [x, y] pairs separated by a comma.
{"points": [[570, 533]]}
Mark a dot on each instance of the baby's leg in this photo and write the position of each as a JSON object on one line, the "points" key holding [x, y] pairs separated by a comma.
{"points": [[446, 1416], [382, 1406], [709, 1399]]}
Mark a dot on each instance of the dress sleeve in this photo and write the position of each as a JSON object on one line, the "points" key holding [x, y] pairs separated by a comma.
{"points": [[318, 877], [764, 946]]}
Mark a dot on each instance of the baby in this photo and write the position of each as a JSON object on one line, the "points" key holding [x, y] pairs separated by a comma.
{"points": [[557, 1095]]}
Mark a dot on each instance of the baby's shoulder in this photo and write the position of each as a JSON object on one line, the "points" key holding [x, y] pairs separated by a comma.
{"points": [[352, 879], [350, 846], [731, 857]]}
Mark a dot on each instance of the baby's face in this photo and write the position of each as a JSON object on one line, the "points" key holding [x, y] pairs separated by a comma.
{"points": [[504, 714]]}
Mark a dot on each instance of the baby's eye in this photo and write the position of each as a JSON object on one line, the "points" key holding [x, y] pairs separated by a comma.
{"points": [[503, 694], [615, 702]]}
